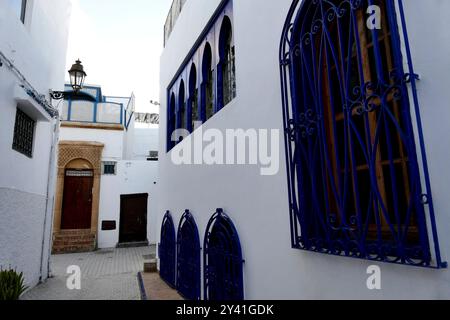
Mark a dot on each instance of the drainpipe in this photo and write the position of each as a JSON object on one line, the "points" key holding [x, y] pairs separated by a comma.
{"points": [[49, 205]]}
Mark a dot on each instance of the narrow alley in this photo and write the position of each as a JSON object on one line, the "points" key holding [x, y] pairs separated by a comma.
{"points": [[109, 274]]}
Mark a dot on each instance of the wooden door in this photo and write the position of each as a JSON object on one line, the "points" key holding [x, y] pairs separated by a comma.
{"points": [[77, 200], [133, 218]]}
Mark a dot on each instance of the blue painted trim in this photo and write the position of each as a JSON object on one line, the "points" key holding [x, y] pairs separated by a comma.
{"points": [[95, 112], [69, 110], [121, 113]]}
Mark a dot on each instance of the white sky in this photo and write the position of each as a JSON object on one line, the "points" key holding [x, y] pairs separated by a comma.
{"points": [[119, 43]]}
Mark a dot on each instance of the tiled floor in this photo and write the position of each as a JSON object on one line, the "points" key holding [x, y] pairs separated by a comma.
{"points": [[105, 275]]}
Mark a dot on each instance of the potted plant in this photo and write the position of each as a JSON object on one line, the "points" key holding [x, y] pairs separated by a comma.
{"points": [[11, 285]]}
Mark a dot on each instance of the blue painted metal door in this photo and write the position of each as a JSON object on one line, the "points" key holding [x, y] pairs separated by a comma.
{"points": [[167, 251], [223, 260], [188, 258]]}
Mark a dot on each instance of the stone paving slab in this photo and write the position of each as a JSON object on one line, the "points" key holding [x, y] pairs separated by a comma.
{"points": [[157, 289], [105, 275]]}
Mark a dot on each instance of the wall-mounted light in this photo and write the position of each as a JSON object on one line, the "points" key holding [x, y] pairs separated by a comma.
{"points": [[77, 76]]}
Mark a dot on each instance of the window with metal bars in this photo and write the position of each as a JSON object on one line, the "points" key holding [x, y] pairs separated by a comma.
{"points": [[24, 133], [354, 175], [193, 98], [227, 76], [109, 168], [229, 79]]}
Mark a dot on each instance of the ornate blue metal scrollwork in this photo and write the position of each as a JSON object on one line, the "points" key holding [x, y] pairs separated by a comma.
{"points": [[223, 274], [188, 258], [355, 179], [167, 248]]}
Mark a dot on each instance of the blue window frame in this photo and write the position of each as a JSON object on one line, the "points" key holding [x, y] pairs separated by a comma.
{"points": [[214, 75], [167, 251], [354, 177], [223, 271], [188, 258]]}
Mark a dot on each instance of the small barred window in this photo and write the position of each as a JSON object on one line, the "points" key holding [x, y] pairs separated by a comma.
{"points": [[23, 134], [109, 168]]}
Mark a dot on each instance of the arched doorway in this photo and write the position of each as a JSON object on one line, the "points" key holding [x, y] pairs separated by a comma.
{"points": [[77, 197], [75, 224], [188, 258], [167, 250], [223, 260]]}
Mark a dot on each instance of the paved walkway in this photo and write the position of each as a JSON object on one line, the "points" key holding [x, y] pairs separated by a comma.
{"points": [[157, 289], [105, 275]]}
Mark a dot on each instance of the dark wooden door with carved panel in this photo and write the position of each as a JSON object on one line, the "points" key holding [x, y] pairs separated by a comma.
{"points": [[133, 218], [77, 200]]}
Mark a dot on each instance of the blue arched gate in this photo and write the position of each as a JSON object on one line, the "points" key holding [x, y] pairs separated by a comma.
{"points": [[223, 260], [188, 258], [167, 250]]}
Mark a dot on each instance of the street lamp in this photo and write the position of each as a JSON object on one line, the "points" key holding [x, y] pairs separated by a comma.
{"points": [[77, 76]]}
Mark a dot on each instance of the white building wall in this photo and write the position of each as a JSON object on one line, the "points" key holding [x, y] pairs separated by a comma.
{"points": [[134, 175], [259, 205], [112, 139], [38, 50], [145, 140]]}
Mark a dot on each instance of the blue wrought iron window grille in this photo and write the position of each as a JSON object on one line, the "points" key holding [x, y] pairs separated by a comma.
{"points": [[182, 114], [188, 258], [223, 263], [193, 105], [226, 70], [167, 251], [354, 174], [171, 121], [216, 79], [207, 87]]}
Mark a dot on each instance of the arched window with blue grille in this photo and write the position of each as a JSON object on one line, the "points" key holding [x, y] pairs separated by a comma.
{"points": [[223, 274], [171, 121], [188, 258], [354, 175], [207, 87], [193, 104], [226, 71], [182, 114], [167, 251]]}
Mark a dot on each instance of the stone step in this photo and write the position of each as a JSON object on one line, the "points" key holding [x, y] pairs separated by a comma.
{"points": [[60, 243], [150, 266], [73, 241], [73, 238], [72, 249], [75, 232]]}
